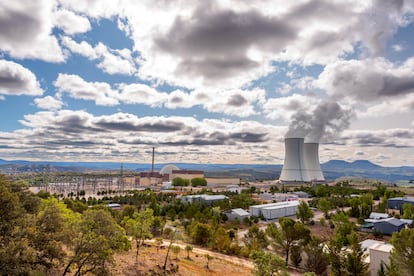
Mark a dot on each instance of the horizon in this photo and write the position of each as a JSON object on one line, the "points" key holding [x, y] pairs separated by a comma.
{"points": [[206, 82]]}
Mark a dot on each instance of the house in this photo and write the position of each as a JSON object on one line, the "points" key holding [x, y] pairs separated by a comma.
{"points": [[238, 213]]}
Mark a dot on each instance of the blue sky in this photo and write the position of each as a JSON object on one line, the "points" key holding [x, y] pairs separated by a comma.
{"points": [[206, 81]]}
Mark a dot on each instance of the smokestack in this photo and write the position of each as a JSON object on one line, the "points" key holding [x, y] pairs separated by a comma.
{"points": [[313, 167], [294, 169], [153, 154]]}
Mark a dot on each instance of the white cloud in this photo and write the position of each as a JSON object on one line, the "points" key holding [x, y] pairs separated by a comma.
{"points": [[78, 88], [110, 61], [49, 103], [18, 80], [141, 94], [228, 44], [368, 79], [398, 48], [26, 30], [70, 22]]}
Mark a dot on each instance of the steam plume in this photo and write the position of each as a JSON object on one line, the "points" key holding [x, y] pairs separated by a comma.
{"points": [[326, 121]]}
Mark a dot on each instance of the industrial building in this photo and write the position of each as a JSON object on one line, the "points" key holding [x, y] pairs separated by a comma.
{"points": [[204, 199], [237, 213], [391, 225], [301, 162], [221, 181], [377, 253], [275, 210], [398, 202], [386, 225]]}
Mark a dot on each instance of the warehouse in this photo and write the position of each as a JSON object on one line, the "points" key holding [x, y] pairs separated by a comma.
{"points": [[275, 210], [398, 202], [237, 213], [204, 199]]}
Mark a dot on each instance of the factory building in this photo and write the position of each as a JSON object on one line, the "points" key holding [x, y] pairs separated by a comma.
{"points": [[221, 181], [237, 213], [377, 253], [398, 202], [204, 199], [187, 174], [275, 210], [301, 162]]}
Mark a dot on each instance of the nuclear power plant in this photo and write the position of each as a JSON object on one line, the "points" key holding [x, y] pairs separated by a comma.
{"points": [[301, 162]]}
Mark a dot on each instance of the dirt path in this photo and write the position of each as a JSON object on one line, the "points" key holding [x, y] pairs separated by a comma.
{"points": [[203, 251]]}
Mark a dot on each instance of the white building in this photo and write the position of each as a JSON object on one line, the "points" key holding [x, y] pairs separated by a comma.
{"points": [[378, 252], [275, 210], [238, 213]]}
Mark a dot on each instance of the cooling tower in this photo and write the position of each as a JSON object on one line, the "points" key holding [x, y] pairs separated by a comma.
{"points": [[313, 167], [294, 169]]}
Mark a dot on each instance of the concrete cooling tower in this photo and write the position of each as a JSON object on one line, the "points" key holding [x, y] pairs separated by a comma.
{"points": [[301, 162], [313, 167], [294, 169]]}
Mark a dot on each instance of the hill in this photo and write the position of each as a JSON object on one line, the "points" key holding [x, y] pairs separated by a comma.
{"points": [[332, 169]]}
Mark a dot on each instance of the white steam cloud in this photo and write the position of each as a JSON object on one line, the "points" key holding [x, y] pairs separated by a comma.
{"points": [[326, 121]]}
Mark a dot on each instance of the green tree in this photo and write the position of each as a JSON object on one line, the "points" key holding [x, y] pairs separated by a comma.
{"points": [[288, 233], [408, 211], [296, 255], [176, 250], [158, 242], [200, 233], [51, 233], [178, 181], [17, 256], [304, 212], [220, 240], [317, 260], [324, 205], [343, 228], [255, 239], [354, 264], [198, 181], [188, 248], [267, 264], [402, 256], [336, 256], [139, 227], [98, 238]]}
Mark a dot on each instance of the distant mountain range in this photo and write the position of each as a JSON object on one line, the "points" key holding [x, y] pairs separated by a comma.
{"points": [[332, 170]]}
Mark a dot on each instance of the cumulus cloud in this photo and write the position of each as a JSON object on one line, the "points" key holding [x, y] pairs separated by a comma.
{"points": [[49, 103], [110, 61], [70, 22], [72, 132], [18, 80], [141, 94], [26, 30], [78, 88], [214, 43], [368, 79]]}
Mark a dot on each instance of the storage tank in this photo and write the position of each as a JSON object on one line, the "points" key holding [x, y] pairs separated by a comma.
{"points": [[313, 167], [294, 169]]}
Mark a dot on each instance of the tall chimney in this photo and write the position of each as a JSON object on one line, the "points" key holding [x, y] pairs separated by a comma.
{"points": [[153, 154], [313, 167], [294, 169]]}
